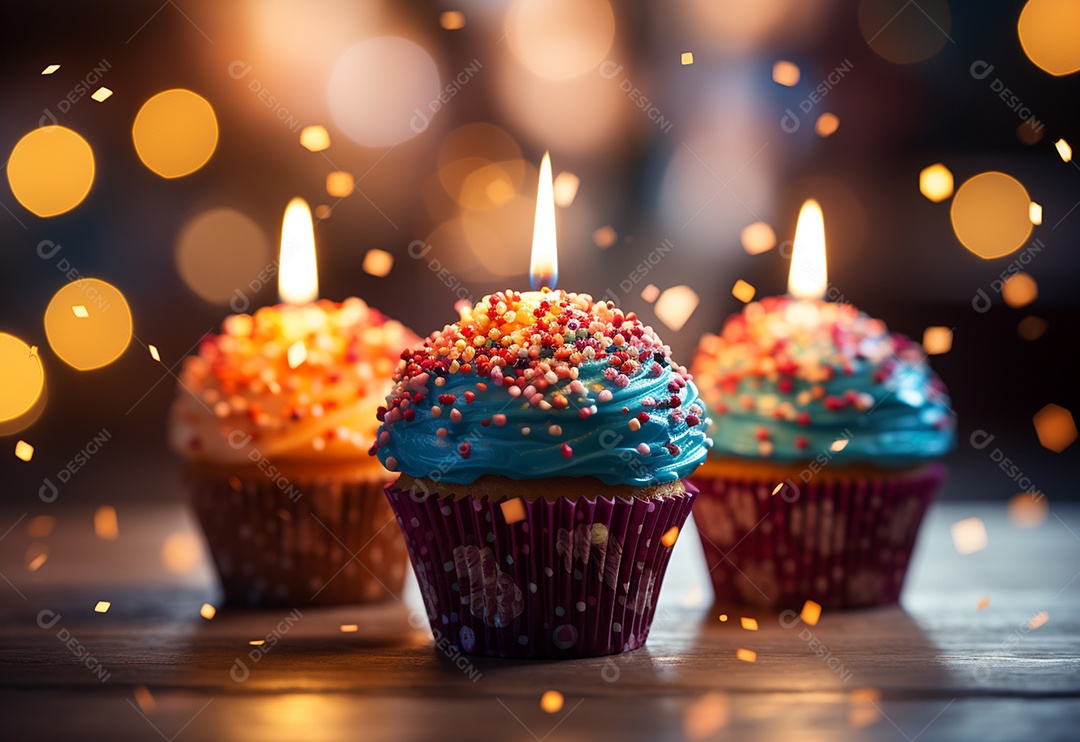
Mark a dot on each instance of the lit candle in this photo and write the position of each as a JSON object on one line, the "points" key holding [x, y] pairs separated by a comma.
{"points": [[298, 276], [808, 279], [544, 265]]}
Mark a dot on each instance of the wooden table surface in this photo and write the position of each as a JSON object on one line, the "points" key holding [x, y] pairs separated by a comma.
{"points": [[936, 669]]}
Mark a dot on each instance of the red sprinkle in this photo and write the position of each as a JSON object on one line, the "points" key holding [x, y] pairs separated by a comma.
{"points": [[803, 419], [801, 442], [567, 452], [693, 420], [834, 403], [447, 399], [761, 434], [785, 385], [643, 417], [465, 449], [469, 397], [409, 415]]}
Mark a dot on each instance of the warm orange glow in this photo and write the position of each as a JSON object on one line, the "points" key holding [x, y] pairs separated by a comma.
{"points": [[1032, 328], [181, 553], [1035, 213], [24, 451], [560, 39], [675, 305], [743, 291], [207, 611], [984, 603], [551, 701], [687, 58], [1047, 30], [1038, 619], [452, 20], [605, 237], [349, 628], [785, 73], [41, 526], [969, 535], [298, 273], [808, 276], [757, 238], [88, 323], [175, 133], [1027, 510], [50, 170], [750, 624], [1019, 290], [566, 188], [21, 377], [936, 182], [811, 613], [1055, 427], [706, 716], [314, 138], [544, 266], [219, 251], [827, 124], [650, 293], [339, 184], [937, 340], [1064, 150], [377, 263], [990, 214], [670, 537], [513, 510], [106, 525], [746, 655]]}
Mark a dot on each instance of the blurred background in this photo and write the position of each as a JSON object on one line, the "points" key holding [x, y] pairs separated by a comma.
{"points": [[684, 136]]}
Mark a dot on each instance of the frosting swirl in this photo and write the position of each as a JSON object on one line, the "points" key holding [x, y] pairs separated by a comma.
{"points": [[792, 380], [543, 384], [300, 383]]}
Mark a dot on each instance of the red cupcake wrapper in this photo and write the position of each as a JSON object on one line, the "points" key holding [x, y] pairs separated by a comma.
{"points": [[293, 547], [843, 544], [563, 579]]}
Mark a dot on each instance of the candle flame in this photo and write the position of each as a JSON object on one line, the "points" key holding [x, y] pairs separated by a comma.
{"points": [[544, 266], [808, 276], [298, 275]]}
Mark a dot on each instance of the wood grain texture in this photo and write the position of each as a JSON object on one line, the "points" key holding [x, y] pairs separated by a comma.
{"points": [[936, 669]]}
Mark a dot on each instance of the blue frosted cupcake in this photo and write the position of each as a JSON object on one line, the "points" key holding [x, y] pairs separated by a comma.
{"points": [[828, 429], [542, 442]]}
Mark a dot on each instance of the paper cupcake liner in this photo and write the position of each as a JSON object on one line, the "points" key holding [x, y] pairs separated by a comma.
{"points": [[840, 543], [293, 546], [559, 579]]}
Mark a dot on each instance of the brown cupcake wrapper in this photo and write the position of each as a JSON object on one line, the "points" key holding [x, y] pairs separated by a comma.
{"points": [[280, 542], [841, 543]]}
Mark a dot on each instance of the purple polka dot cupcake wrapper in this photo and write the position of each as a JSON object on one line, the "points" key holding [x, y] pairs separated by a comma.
{"points": [[842, 544], [561, 579], [295, 547]]}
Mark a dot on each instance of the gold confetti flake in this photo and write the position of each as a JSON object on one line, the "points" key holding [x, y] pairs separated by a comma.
{"points": [[349, 628], [452, 20], [314, 138], [102, 606], [826, 125], [1064, 150], [296, 354], [605, 237], [1038, 619], [154, 353], [937, 340], [969, 535], [80, 311], [811, 613], [101, 94], [743, 291], [207, 611], [552, 701], [1055, 427], [566, 188], [936, 182], [750, 624], [746, 655], [144, 698], [777, 488], [983, 603], [50, 69], [687, 58], [670, 537], [106, 525], [513, 510], [378, 263], [36, 555], [339, 184], [40, 526], [786, 73], [24, 451], [257, 642]]}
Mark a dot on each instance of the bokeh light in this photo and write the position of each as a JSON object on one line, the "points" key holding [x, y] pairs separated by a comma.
{"points": [[559, 39], [1031, 328], [905, 32], [181, 552], [675, 306], [219, 252], [969, 535], [1055, 427], [1064, 150], [551, 701], [826, 124], [452, 20], [743, 291], [314, 138], [383, 91], [106, 523], [339, 183], [734, 27], [786, 73], [937, 340], [566, 188], [378, 263], [936, 182], [95, 340], [175, 133], [1019, 290], [605, 236], [757, 238], [1047, 30], [21, 377], [50, 170], [990, 214], [1035, 213], [1027, 510]]}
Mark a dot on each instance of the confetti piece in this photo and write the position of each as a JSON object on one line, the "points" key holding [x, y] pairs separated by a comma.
{"points": [[936, 182], [513, 510], [1027, 510], [378, 263], [937, 340], [105, 523], [296, 354], [723, 617], [207, 611], [838, 445], [1035, 213], [777, 488], [101, 94], [36, 554], [154, 353], [826, 125], [1032, 328], [757, 238], [706, 716], [551, 701], [675, 306], [969, 535], [348, 628], [786, 73], [452, 20], [983, 603], [811, 613], [102, 606], [80, 311], [743, 291], [687, 58], [314, 138], [750, 624], [746, 655], [1055, 427], [339, 184], [144, 699], [24, 451], [1038, 619], [257, 642], [1019, 290], [605, 237], [50, 69], [566, 188], [40, 526], [1064, 150], [670, 536]]}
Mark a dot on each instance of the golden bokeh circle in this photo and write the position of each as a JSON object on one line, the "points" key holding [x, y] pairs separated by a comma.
{"points": [[990, 214], [1047, 30], [904, 32], [220, 252], [51, 170], [175, 132], [88, 323], [559, 39], [22, 378]]}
